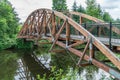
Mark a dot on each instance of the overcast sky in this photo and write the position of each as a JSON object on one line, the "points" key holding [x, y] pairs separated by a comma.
{"points": [[25, 7]]}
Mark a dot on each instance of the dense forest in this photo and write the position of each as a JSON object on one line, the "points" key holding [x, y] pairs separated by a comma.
{"points": [[9, 22]]}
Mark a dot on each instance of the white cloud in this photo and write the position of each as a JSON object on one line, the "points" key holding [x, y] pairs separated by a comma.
{"points": [[25, 7], [112, 6], [79, 2]]}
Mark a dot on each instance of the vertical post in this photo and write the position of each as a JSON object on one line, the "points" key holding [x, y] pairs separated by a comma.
{"points": [[80, 20], [44, 23], [97, 30], [59, 23], [67, 33], [85, 27], [53, 24], [110, 36], [91, 48]]}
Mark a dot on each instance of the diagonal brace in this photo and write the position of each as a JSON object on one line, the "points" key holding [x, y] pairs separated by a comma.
{"points": [[57, 35], [86, 47]]}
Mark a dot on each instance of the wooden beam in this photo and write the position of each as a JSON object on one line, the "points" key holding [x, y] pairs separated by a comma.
{"points": [[45, 42], [31, 25], [76, 44], [81, 20], [40, 23], [49, 20], [57, 35], [58, 50], [94, 61], [83, 54], [85, 64], [99, 31], [29, 37], [109, 54], [67, 33], [53, 24], [115, 29], [44, 23], [91, 50]]}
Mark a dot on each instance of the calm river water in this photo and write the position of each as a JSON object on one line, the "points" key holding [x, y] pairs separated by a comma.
{"points": [[26, 65]]}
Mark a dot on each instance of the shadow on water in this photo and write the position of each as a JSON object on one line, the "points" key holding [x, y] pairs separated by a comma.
{"points": [[20, 65], [35, 66]]}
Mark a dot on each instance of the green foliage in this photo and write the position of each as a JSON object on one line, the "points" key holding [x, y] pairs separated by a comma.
{"points": [[61, 71], [43, 48], [58, 75], [59, 5], [93, 8], [107, 17], [8, 24], [74, 7], [81, 9], [78, 9], [23, 44], [63, 60], [8, 65]]}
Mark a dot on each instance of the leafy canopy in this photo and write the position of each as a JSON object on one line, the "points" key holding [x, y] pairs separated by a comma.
{"points": [[59, 5], [8, 24]]}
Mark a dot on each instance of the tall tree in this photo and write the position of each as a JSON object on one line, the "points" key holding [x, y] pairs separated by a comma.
{"points": [[74, 7], [93, 8], [81, 9], [8, 24], [107, 17], [59, 5], [99, 12]]}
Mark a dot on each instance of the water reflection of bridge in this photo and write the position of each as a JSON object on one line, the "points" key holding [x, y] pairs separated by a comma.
{"points": [[30, 67], [63, 31]]}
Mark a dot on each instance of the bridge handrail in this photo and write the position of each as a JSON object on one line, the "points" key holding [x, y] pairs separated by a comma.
{"points": [[98, 21]]}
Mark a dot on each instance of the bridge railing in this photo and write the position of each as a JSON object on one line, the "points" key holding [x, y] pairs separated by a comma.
{"points": [[100, 30], [114, 35]]}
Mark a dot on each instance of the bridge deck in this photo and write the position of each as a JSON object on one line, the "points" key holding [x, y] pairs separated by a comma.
{"points": [[114, 42]]}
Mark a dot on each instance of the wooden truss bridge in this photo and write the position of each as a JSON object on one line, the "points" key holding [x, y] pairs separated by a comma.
{"points": [[60, 29]]}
